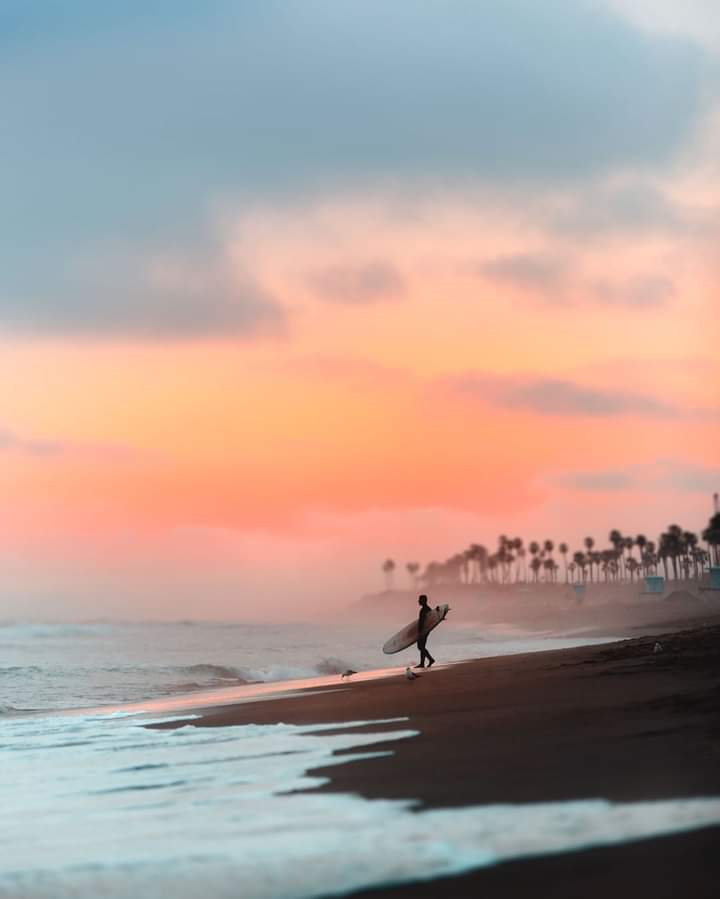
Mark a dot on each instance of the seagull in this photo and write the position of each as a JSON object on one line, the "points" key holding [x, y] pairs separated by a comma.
{"points": [[658, 647], [348, 673], [410, 674]]}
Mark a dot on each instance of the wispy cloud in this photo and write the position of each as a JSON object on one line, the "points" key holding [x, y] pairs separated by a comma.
{"points": [[556, 278], [633, 206], [43, 447], [31, 446], [554, 396], [358, 284], [539, 272], [663, 474], [640, 291], [162, 298]]}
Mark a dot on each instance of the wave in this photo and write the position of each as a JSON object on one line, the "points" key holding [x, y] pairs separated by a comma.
{"points": [[20, 630], [206, 675], [16, 669], [219, 672], [77, 686], [331, 665]]}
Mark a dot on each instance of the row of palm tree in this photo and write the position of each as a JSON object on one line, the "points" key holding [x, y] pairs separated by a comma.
{"points": [[676, 553]]}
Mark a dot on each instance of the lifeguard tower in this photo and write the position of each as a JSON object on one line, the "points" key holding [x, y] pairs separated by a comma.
{"points": [[654, 584], [714, 583]]}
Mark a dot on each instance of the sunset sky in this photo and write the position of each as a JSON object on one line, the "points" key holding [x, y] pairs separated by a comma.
{"points": [[287, 288]]}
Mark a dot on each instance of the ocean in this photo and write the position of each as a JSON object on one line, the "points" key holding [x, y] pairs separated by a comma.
{"points": [[95, 803], [62, 666]]}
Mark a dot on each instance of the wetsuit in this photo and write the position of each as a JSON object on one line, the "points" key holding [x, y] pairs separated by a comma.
{"points": [[422, 641]]}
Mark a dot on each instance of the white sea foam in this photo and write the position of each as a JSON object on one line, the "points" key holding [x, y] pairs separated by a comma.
{"points": [[104, 806]]}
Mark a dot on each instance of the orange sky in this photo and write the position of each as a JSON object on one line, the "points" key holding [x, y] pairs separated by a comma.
{"points": [[360, 407], [428, 368]]}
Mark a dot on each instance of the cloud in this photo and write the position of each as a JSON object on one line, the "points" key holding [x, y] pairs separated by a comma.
{"points": [[557, 278], [357, 284], [612, 479], [640, 291], [632, 206], [41, 447], [550, 396], [696, 19], [259, 104], [163, 299], [664, 474], [263, 100], [538, 272], [12, 442]]}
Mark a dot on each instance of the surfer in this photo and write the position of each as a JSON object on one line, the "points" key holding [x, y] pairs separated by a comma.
{"points": [[422, 638]]}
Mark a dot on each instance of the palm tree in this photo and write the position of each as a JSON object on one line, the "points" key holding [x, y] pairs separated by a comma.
{"points": [[535, 565], [467, 558], [641, 543], [617, 563], [563, 550], [606, 557], [673, 545], [412, 570], [388, 569], [473, 557], [482, 561], [492, 564], [589, 543], [629, 543], [549, 566], [454, 568], [663, 556], [690, 541], [701, 558], [711, 535], [548, 547], [431, 575], [632, 567], [517, 545], [534, 548], [652, 557], [616, 538], [580, 560]]}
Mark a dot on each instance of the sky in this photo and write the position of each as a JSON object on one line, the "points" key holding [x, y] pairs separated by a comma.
{"points": [[289, 288]]}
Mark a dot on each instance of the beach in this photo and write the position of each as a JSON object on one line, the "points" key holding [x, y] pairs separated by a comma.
{"points": [[620, 722], [554, 764]]}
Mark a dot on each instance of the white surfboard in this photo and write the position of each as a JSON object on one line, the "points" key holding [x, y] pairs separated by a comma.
{"points": [[409, 634]]}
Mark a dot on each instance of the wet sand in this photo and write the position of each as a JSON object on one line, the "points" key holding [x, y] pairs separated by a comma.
{"points": [[616, 721]]}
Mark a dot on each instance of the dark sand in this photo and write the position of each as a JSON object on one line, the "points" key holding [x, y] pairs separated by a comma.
{"points": [[615, 721]]}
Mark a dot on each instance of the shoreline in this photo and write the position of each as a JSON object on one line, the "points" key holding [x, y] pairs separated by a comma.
{"points": [[582, 626], [614, 721]]}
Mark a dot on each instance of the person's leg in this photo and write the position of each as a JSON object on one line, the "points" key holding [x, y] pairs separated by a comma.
{"points": [[423, 652], [430, 659]]}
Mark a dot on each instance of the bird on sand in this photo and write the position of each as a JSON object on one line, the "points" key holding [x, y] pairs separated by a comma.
{"points": [[658, 647], [410, 674], [348, 673]]}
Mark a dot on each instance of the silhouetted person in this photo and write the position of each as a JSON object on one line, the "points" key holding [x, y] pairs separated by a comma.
{"points": [[422, 639]]}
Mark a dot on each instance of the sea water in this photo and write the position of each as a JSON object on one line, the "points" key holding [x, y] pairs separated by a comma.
{"points": [[99, 804], [56, 666]]}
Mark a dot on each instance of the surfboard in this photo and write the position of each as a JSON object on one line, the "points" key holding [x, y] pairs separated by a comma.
{"points": [[409, 634]]}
